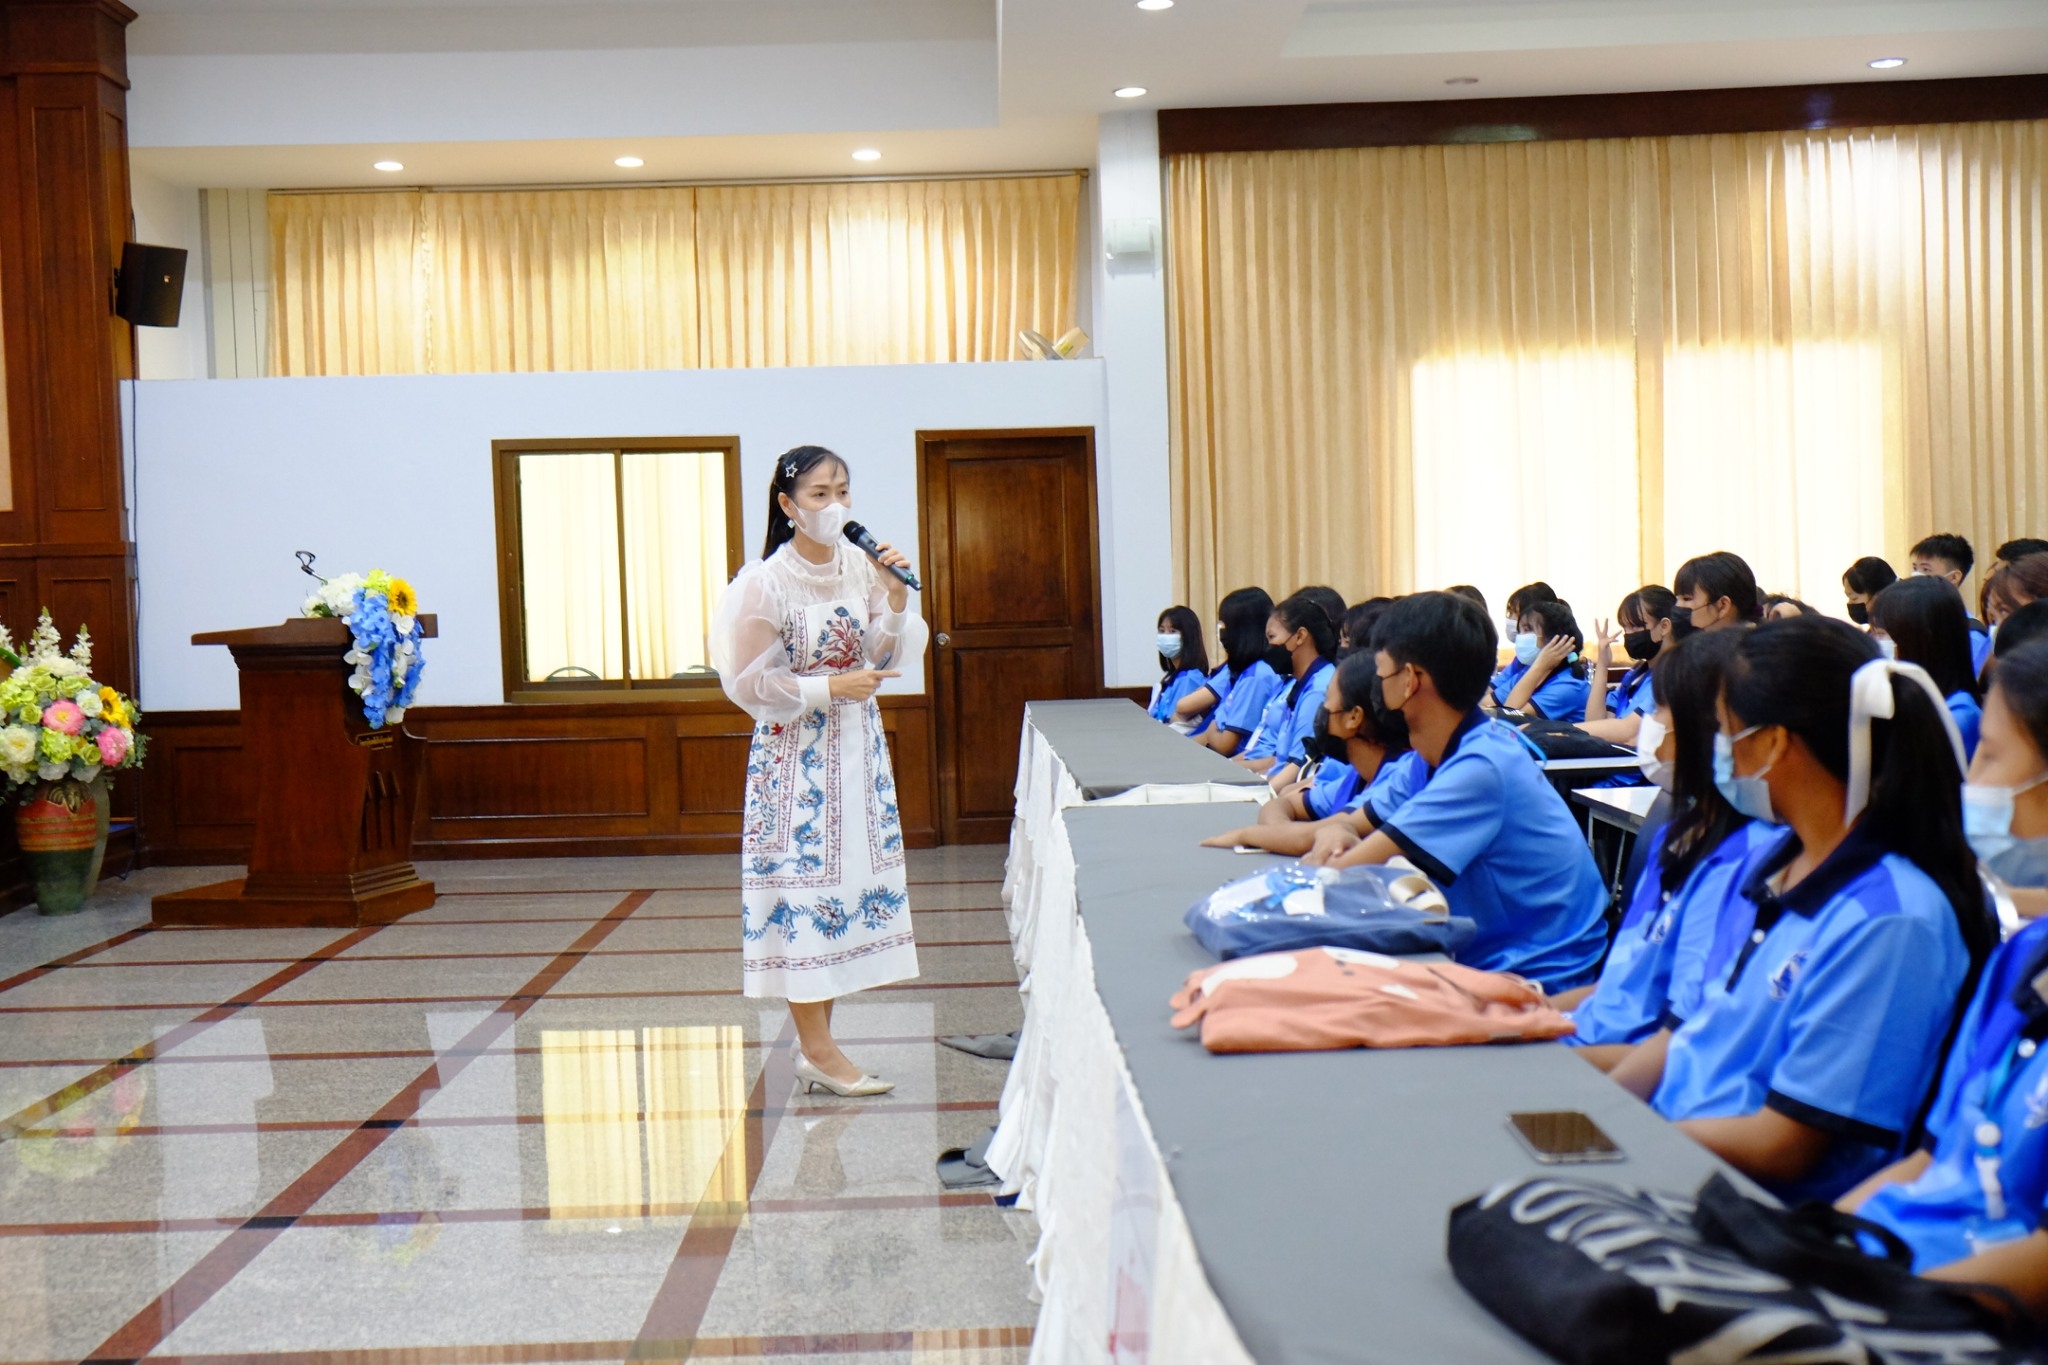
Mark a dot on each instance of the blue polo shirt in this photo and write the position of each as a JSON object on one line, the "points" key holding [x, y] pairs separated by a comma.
{"points": [[1339, 787], [1290, 716], [1980, 649], [1828, 1004], [1655, 968], [1218, 683], [1969, 718], [1488, 828], [1997, 1072], [1168, 693], [1505, 680], [1633, 695], [1241, 711], [1562, 697]]}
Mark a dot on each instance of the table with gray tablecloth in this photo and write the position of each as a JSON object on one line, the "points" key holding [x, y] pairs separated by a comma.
{"points": [[1111, 745], [1316, 1185]]}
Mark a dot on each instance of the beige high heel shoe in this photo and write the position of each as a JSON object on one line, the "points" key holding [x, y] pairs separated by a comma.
{"points": [[807, 1072]]}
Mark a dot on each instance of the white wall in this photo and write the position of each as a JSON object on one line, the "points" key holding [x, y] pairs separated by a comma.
{"points": [[168, 215], [395, 473], [1130, 336]]}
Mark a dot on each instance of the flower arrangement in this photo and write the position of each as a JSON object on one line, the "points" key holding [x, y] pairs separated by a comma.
{"points": [[382, 612], [56, 722]]}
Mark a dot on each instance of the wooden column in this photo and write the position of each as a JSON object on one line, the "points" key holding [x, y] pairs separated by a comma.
{"points": [[64, 213]]}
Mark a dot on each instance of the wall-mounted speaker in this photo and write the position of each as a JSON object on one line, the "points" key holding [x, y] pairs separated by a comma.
{"points": [[151, 284]]}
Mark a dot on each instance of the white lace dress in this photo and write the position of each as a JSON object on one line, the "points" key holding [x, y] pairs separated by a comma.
{"points": [[825, 907]]}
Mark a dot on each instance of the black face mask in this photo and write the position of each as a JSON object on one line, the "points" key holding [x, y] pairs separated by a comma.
{"points": [[1321, 744], [1639, 645], [1859, 612], [1392, 725], [1681, 623]]}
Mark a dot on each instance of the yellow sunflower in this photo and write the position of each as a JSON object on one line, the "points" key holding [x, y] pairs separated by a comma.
{"points": [[404, 602]]}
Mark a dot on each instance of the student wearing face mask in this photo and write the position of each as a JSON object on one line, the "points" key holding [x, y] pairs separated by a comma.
{"points": [[1519, 603], [1357, 739], [1183, 662], [1551, 649], [1834, 976], [1922, 621], [1615, 713], [1715, 592], [1305, 629], [1972, 1203], [1483, 823], [1863, 580], [1655, 969], [1236, 694]]}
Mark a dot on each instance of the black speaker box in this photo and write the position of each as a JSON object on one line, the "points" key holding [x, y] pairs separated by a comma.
{"points": [[151, 285]]}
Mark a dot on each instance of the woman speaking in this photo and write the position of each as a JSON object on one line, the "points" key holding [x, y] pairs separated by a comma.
{"points": [[801, 640]]}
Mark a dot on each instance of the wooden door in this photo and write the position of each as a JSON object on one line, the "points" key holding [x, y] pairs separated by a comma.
{"points": [[1007, 522]]}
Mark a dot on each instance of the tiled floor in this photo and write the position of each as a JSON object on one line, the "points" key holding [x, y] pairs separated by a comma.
{"points": [[536, 1122]]}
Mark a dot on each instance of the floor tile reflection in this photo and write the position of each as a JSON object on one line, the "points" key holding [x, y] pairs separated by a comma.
{"points": [[410, 1143]]}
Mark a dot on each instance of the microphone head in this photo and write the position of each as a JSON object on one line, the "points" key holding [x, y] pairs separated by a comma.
{"points": [[854, 531]]}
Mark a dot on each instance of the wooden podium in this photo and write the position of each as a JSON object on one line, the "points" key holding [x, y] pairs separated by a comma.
{"points": [[334, 797]]}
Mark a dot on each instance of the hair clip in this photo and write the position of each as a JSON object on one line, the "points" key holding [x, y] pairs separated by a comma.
{"points": [[789, 470]]}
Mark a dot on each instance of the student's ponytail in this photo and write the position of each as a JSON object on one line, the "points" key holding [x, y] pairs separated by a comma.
{"points": [[1800, 673]]}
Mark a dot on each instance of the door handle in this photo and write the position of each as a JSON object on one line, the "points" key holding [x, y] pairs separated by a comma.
{"points": [[944, 639]]}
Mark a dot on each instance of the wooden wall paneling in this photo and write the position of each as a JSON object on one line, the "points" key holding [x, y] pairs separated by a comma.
{"points": [[523, 780], [1551, 118]]}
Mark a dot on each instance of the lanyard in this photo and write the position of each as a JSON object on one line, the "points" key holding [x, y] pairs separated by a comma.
{"points": [[1988, 1135]]}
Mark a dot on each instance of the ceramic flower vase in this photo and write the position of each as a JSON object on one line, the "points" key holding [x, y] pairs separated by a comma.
{"points": [[62, 829]]}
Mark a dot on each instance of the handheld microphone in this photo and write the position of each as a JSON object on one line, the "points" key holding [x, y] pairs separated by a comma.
{"points": [[860, 536]]}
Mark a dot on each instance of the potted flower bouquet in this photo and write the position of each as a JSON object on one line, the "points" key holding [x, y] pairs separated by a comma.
{"points": [[61, 734]]}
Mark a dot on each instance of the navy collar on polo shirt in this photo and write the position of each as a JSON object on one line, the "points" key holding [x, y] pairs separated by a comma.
{"points": [[1473, 719], [1855, 855]]}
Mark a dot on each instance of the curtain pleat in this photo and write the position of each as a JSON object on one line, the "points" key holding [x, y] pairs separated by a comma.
{"points": [[866, 273], [1587, 361]]}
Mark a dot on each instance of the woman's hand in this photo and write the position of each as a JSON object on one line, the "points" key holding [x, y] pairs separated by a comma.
{"points": [[860, 684], [1551, 657], [890, 557], [1605, 638], [1231, 839], [1332, 842]]}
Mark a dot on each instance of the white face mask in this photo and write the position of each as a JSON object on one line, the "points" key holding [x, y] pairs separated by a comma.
{"points": [[1887, 646], [1649, 739], [822, 524]]}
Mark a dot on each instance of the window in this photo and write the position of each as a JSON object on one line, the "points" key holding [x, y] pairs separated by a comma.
{"points": [[611, 555]]}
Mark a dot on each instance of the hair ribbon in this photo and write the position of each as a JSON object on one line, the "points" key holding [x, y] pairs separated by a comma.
{"points": [[1870, 698]]}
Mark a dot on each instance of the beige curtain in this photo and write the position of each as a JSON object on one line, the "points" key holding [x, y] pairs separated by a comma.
{"points": [[675, 556], [569, 549], [671, 278], [1406, 367]]}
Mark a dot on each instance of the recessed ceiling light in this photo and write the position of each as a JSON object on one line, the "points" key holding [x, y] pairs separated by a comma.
{"points": [[1462, 80], [1887, 63], [629, 162], [1128, 92], [388, 166], [1155, 4], [867, 154]]}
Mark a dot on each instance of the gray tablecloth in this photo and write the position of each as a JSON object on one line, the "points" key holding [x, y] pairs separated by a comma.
{"points": [[1317, 1185], [1111, 746]]}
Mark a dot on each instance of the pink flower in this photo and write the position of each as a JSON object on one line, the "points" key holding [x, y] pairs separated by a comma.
{"points": [[113, 742], [64, 716]]}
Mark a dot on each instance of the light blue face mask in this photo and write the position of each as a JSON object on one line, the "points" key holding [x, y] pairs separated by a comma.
{"points": [[1987, 824], [1169, 646], [1750, 795], [1526, 648]]}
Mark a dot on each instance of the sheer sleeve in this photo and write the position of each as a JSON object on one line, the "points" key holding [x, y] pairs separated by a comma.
{"points": [[751, 659], [892, 639]]}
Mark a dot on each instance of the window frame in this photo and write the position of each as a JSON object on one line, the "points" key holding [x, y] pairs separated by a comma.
{"points": [[505, 456]]}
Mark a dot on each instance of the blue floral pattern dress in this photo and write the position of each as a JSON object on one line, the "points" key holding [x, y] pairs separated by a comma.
{"points": [[825, 909]]}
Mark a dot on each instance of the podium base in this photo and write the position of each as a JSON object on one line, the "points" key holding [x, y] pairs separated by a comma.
{"points": [[225, 905]]}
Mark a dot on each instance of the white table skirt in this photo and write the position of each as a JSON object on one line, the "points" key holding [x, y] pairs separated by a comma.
{"points": [[1115, 1262]]}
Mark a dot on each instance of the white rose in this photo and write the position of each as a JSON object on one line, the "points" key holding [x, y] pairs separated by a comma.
{"points": [[89, 702], [17, 746]]}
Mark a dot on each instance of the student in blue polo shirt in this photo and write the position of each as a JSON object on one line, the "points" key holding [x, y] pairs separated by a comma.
{"points": [[1183, 661], [1972, 1203], [1485, 824], [1830, 993], [1948, 556], [1305, 628], [1237, 693], [1615, 713], [1656, 966], [1518, 604], [1361, 741], [1924, 620], [1553, 685]]}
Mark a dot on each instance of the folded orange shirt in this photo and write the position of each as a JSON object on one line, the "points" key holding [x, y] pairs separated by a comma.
{"points": [[1322, 998]]}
